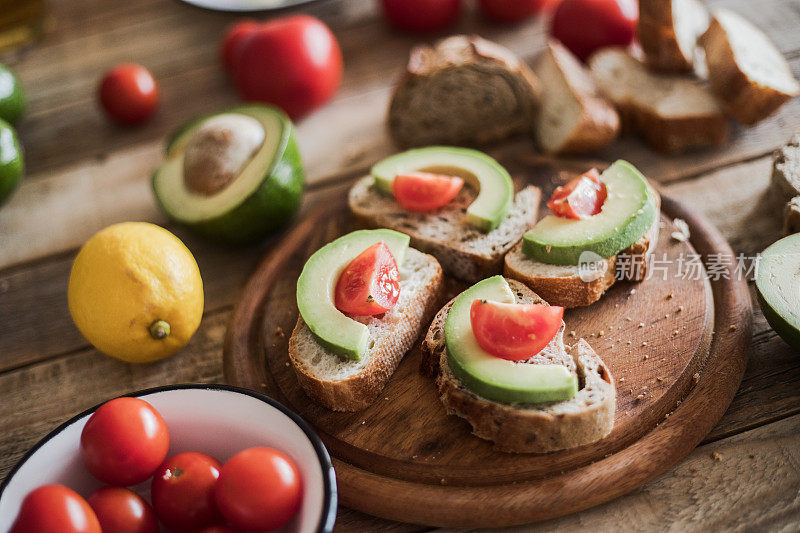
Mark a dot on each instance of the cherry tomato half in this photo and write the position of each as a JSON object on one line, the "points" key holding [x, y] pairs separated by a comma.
{"points": [[124, 441], [182, 491], [294, 63], [423, 191], [421, 16], [259, 489], [514, 331], [509, 12], [121, 510], [233, 43], [55, 508], [369, 284], [129, 94], [582, 197], [587, 25]]}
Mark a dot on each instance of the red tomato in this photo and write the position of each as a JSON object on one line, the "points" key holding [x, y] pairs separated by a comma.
{"points": [[369, 284], [421, 16], [423, 191], [182, 491], [582, 197], [586, 25], [514, 331], [233, 42], [259, 489], [124, 441], [121, 510], [294, 63], [511, 11], [55, 508], [129, 94]]}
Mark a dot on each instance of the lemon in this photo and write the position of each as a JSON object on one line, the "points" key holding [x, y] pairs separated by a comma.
{"points": [[135, 292]]}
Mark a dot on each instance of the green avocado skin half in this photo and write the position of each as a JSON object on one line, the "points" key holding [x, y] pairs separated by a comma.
{"points": [[12, 96], [778, 286], [268, 208], [12, 165]]}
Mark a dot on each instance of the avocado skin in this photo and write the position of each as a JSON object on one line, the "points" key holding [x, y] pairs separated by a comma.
{"points": [[784, 329], [12, 96], [12, 165]]}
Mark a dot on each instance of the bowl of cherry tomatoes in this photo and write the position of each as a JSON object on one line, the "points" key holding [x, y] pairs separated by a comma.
{"points": [[208, 458]]}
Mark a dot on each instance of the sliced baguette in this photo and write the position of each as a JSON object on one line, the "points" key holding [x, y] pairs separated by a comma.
{"points": [[668, 32], [672, 113], [346, 385], [745, 69], [463, 252], [526, 428], [464, 90], [574, 118], [786, 169]]}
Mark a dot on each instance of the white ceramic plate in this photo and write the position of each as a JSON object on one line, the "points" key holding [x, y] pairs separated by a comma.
{"points": [[213, 419], [246, 5]]}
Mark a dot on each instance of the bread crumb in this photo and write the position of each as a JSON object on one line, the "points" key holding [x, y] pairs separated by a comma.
{"points": [[279, 332], [676, 332], [646, 357], [682, 235], [364, 422], [751, 456], [572, 333], [286, 363], [716, 456], [629, 319], [644, 343], [733, 327], [601, 333], [667, 415], [443, 482], [696, 377], [680, 308], [641, 324], [628, 342], [640, 397], [659, 379], [671, 295], [621, 380], [386, 398], [666, 315], [633, 291]]}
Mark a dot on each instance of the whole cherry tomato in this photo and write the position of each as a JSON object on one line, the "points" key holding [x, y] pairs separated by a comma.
{"points": [[587, 25], [259, 489], [233, 42], [421, 16], [509, 12], [124, 441], [294, 63], [52, 508], [129, 94], [120, 510], [369, 284], [182, 491]]}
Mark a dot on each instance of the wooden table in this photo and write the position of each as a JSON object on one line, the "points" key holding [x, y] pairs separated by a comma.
{"points": [[85, 174]]}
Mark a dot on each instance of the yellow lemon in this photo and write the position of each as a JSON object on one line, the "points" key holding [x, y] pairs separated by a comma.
{"points": [[135, 292]]}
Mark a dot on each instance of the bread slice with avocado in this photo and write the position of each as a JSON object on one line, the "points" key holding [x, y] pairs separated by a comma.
{"points": [[343, 362], [470, 235], [668, 32], [586, 417]]}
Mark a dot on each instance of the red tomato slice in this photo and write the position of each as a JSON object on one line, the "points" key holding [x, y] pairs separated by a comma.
{"points": [[370, 284], [514, 331], [423, 191], [582, 197]]}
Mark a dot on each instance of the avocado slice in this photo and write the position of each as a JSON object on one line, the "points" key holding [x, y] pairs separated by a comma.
{"points": [[627, 214], [495, 189], [12, 165], [252, 185], [12, 96], [492, 377], [778, 288], [315, 287]]}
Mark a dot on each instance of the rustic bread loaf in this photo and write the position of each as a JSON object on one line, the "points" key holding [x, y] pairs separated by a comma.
{"points": [[346, 385], [574, 118], [526, 428], [464, 90], [668, 32]]}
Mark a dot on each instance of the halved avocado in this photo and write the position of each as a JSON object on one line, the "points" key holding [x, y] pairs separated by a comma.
{"points": [[778, 288], [12, 165], [263, 194], [492, 377], [315, 289], [495, 188], [627, 214]]}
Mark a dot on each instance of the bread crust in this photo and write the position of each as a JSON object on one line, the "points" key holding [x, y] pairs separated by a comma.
{"points": [[658, 37]]}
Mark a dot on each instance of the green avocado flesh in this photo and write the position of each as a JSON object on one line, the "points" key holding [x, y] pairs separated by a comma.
{"points": [[492, 377], [315, 290], [12, 97], [12, 165], [626, 215], [778, 288], [495, 189], [263, 196]]}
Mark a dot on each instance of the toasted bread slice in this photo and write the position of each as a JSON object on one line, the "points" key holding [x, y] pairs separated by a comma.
{"points": [[464, 252], [574, 118], [745, 69], [668, 32], [346, 385], [786, 169], [526, 428], [464, 90], [672, 113]]}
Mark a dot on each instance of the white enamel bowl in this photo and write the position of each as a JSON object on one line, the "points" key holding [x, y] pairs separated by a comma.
{"points": [[213, 419]]}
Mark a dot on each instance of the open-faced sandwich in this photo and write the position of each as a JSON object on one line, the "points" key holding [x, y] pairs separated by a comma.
{"points": [[363, 300], [602, 228], [457, 204], [498, 356]]}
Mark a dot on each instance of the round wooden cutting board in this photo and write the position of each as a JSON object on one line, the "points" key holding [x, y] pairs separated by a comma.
{"points": [[676, 345]]}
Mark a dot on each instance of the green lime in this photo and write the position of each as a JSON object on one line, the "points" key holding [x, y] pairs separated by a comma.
{"points": [[12, 97], [12, 165]]}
